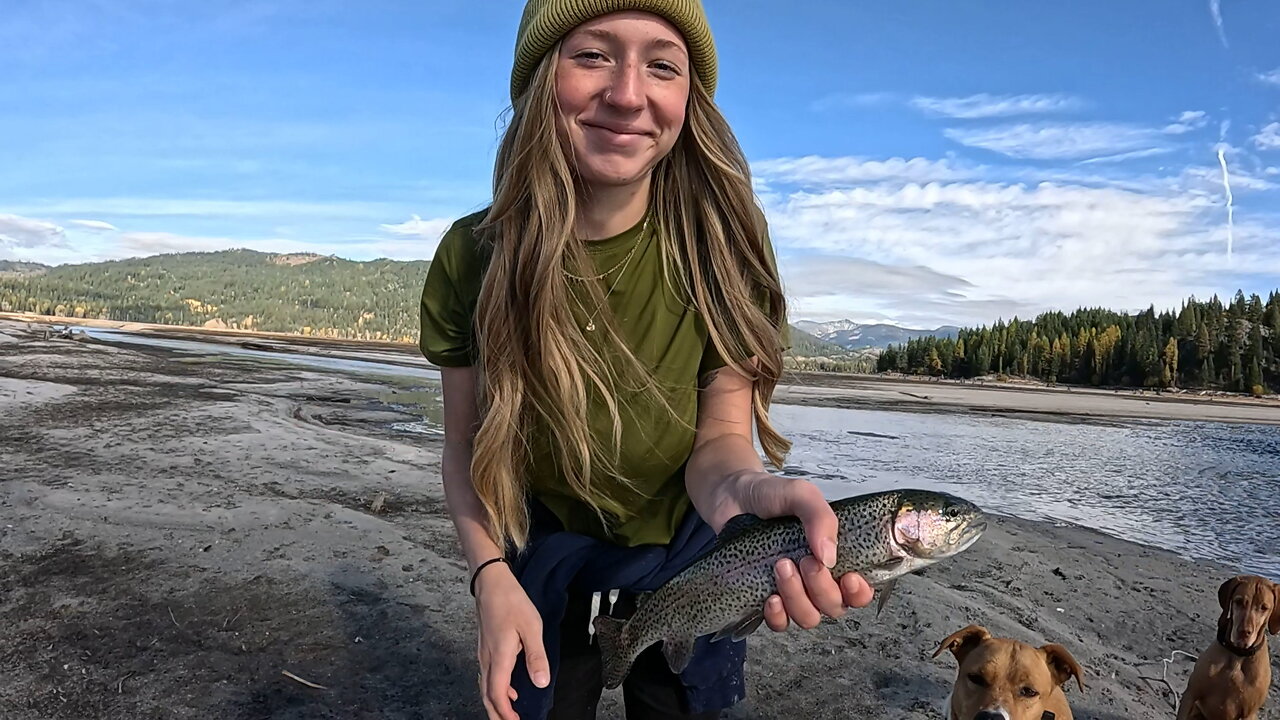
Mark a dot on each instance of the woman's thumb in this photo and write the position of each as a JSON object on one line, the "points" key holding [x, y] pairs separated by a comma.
{"points": [[535, 657]]}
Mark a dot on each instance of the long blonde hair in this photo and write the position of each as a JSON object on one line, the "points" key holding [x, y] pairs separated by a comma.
{"points": [[536, 366]]}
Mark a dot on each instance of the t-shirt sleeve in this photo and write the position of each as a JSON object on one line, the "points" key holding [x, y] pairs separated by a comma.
{"points": [[448, 304], [711, 358]]}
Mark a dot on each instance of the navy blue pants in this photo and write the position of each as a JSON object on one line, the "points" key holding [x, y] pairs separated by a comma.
{"points": [[650, 692]]}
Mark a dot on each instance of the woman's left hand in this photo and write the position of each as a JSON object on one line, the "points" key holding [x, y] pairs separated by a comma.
{"points": [[806, 591]]}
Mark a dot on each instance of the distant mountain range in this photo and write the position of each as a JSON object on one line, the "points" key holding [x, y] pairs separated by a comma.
{"points": [[306, 293], [850, 335]]}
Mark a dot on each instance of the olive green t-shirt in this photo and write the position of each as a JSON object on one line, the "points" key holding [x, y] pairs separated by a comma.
{"points": [[665, 332]]}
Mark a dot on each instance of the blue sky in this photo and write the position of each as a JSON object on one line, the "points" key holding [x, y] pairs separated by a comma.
{"points": [[920, 162]]}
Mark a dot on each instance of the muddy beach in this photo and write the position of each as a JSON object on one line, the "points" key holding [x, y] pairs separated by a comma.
{"points": [[178, 532]]}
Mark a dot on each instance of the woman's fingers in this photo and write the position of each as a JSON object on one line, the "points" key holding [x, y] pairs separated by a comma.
{"points": [[498, 678], [791, 589], [775, 615], [857, 593]]}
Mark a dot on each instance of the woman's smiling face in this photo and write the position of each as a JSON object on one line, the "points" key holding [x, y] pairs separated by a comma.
{"points": [[622, 84]]}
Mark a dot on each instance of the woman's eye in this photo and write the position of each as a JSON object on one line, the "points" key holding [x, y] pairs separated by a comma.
{"points": [[590, 55], [666, 67]]}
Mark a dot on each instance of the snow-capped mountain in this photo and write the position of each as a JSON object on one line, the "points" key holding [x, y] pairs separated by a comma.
{"points": [[854, 336]]}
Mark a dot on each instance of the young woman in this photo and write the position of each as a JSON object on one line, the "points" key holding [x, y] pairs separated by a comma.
{"points": [[609, 329]]}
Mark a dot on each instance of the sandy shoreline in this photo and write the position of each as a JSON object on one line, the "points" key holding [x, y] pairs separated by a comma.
{"points": [[176, 534], [910, 394]]}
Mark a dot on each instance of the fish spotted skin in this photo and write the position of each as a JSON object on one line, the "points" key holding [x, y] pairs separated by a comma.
{"points": [[723, 592]]}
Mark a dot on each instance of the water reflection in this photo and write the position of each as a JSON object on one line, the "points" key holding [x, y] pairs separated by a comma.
{"points": [[1204, 490]]}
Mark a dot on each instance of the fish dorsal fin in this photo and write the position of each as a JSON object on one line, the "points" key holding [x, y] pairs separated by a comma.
{"points": [[737, 525]]}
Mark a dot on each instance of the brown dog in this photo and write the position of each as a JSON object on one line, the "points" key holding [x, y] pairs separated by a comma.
{"points": [[1001, 679], [1232, 677]]}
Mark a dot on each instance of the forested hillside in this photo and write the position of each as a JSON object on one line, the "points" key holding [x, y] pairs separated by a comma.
{"points": [[308, 294], [1206, 344]]}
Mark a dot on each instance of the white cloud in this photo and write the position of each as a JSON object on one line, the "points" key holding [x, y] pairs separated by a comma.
{"points": [[1269, 138], [1133, 155], [971, 252], [838, 100], [1271, 77], [135, 244], [198, 207], [845, 170], [1189, 120], [428, 232], [1057, 141], [94, 225], [17, 231], [984, 105]]}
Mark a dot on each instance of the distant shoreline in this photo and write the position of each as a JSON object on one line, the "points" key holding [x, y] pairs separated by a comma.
{"points": [[1012, 398]]}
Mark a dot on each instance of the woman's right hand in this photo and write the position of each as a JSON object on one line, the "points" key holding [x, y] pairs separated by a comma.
{"points": [[509, 623]]}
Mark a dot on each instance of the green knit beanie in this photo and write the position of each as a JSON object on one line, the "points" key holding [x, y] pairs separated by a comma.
{"points": [[546, 21]]}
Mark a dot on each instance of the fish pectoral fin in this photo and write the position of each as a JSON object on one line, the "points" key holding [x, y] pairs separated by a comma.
{"points": [[737, 525], [885, 592], [677, 651], [890, 564], [740, 628]]}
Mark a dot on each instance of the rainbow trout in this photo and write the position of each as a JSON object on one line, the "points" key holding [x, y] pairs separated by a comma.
{"points": [[882, 536]]}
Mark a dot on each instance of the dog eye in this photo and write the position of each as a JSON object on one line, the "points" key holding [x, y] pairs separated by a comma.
{"points": [[977, 679], [1028, 692]]}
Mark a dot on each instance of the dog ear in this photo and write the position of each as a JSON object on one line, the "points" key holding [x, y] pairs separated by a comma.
{"points": [[1226, 590], [962, 642], [1061, 665], [1273, 627]]}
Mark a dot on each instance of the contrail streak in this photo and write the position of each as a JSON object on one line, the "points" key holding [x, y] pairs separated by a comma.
{"points": [[1215, 9], [1226, 183]]}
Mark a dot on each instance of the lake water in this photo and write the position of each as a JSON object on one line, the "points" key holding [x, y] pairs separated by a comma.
{"points": [[1203, 490]]}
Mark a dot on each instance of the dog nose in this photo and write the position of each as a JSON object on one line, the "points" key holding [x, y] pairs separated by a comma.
{"points": [[990, 715]]}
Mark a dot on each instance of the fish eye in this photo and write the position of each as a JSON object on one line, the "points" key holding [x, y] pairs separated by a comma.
{"points": [[1028, 692], [951, 512], [977, 679]]}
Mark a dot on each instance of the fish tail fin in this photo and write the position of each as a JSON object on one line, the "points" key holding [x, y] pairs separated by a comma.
{"points": [[613, 650]]}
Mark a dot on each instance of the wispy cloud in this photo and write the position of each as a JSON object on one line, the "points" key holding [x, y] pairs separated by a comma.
{"points": [[123, 207], [819, 170], [17, 231], [1058, 141], [135, 244], [842, 100], [1186, 122], [984, 105], [1271, 77], [1268, 138], [1215, 10], [1132, 155], [428, 232], [93, 225]]}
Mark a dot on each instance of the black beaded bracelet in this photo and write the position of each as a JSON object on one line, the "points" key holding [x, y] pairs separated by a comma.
{"points": [[482, 566]]}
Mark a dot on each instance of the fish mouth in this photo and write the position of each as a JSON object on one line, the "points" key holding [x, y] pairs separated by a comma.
{"points": [[965, 537]]}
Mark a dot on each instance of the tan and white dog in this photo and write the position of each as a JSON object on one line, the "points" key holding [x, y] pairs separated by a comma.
{"points": [[1232, 677], [1003, 679]]}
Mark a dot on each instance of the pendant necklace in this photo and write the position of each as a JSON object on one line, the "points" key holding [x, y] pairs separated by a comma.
{"points": [[626, 261]]}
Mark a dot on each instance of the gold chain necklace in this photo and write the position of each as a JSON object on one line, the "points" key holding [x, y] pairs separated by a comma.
{"points": [[621, 262], [591, 321]]}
